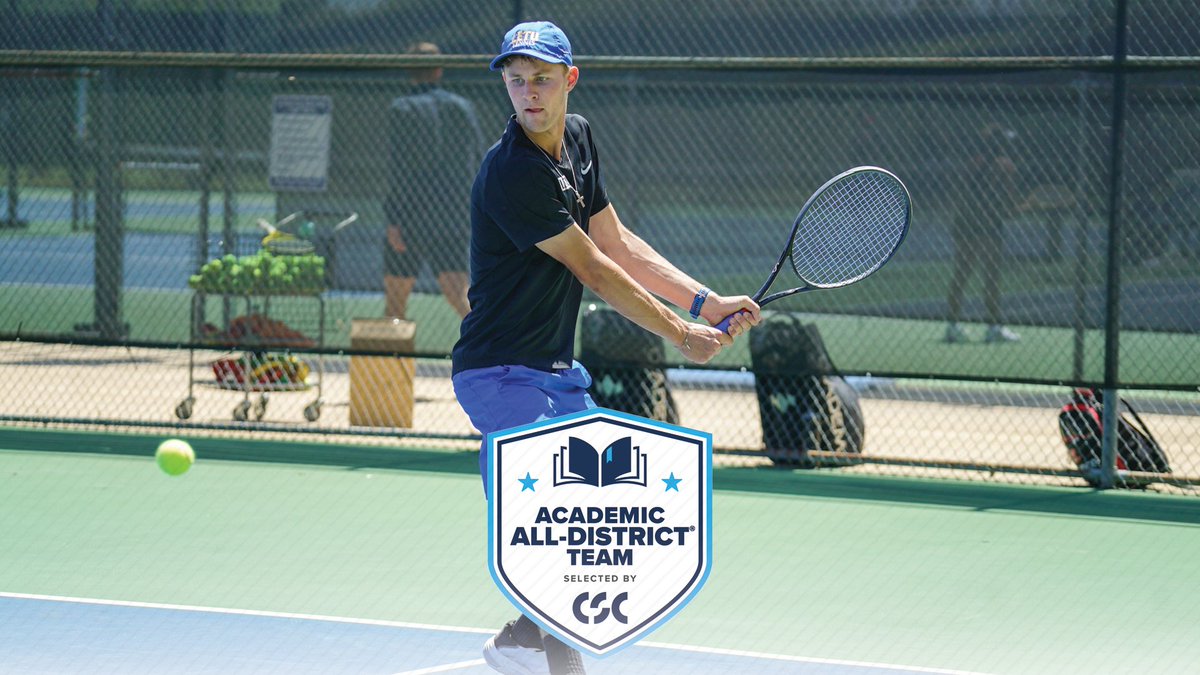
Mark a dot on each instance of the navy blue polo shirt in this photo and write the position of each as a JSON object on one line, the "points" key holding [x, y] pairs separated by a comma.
{"points": [[524, 303]]}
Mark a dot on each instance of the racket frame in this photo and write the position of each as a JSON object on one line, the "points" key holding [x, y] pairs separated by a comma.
{"points": [[784, 255], [787, 248]]}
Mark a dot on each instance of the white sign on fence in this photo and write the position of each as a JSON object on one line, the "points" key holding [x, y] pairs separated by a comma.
{"points": [[300, 131]]}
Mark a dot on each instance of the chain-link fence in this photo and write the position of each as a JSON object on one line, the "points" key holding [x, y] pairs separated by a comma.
{"points": [[194, 242]]}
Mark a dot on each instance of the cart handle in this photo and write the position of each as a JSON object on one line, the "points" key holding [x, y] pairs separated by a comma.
{"points": [[271, 229], [349, 219], [266, 225]]}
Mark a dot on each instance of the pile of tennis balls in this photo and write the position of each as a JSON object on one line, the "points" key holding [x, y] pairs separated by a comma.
{"points": [[263, 272]]}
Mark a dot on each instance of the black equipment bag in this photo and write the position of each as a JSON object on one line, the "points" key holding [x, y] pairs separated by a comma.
{"points": [[804, 405], [627, 364]]}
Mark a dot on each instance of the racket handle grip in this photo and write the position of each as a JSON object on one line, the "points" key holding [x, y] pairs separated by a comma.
{"points": [[723, 326]]}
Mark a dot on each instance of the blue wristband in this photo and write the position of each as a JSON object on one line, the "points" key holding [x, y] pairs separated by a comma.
{"points": [[698, 302]]}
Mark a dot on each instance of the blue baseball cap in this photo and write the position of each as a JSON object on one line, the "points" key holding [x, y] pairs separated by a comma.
{"points": [[538, 39]]}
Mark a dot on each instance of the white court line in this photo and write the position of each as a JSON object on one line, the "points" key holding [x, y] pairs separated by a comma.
{"points": [[805, 659], [244, 612], [445, 668], [483, 631]]}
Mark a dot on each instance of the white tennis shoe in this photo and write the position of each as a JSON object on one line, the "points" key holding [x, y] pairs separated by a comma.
{"points": [[998, 333], [505, 655], [955, 333]]}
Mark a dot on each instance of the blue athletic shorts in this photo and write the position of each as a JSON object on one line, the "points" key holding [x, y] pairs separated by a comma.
{"points": [[503, 397]]}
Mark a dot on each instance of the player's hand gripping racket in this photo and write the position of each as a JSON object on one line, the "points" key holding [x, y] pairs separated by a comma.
{"points": [[849, 228]]}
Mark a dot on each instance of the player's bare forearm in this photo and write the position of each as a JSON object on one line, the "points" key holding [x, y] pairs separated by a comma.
{"points": [[696, 342], [616, 287], [613, 284], [647, 266], [656, 274]]}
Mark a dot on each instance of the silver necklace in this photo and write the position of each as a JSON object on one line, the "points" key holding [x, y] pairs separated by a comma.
{"points": [[563, 183]]}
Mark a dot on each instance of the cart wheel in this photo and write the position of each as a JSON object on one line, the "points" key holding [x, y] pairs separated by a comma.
{"points": [[184, 409], [312, 411], [241, 412], [260, 408]]}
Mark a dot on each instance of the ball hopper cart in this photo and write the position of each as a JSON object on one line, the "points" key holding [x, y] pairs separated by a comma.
{"points": [[266, 365]]}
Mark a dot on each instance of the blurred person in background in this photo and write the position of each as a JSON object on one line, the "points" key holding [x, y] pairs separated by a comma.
{"points": [[1164, 219], [991, 195], [435, 145]]}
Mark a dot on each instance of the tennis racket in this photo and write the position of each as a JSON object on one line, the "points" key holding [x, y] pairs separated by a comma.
{"points": [[849, 228]]}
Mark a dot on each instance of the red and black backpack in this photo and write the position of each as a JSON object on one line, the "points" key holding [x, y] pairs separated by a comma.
{"points": [[1081, 425]]}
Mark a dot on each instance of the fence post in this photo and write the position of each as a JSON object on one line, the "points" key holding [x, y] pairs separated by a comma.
{"points": [[78, 153], [109, 246], [1112, 315]]}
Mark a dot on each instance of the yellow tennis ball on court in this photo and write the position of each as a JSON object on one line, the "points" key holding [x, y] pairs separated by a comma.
{"points": [[174, 456]]}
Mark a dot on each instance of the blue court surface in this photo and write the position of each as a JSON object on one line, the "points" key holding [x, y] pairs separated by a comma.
{"points": [[46, 634]]}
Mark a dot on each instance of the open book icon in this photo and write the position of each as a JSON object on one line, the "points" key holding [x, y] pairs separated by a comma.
{"points": [[620, 462]]}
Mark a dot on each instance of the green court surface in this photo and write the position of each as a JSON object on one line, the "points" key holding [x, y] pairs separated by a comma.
{"points": [[921, 573]]}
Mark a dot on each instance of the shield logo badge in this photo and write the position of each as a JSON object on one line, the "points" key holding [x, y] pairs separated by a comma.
{"points": [[600, 524]]}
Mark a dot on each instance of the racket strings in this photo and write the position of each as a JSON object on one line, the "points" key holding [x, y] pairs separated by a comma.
{"points": [[850, 229]]}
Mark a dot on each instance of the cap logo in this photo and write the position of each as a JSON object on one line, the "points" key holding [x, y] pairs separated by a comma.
{"points": [[524, 38]]}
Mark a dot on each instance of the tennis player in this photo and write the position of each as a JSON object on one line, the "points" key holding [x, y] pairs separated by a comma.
{"points": [[542, 228]]}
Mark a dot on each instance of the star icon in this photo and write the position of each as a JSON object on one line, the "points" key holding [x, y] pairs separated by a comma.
{"points": [[672, 483], [527, 482]]}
